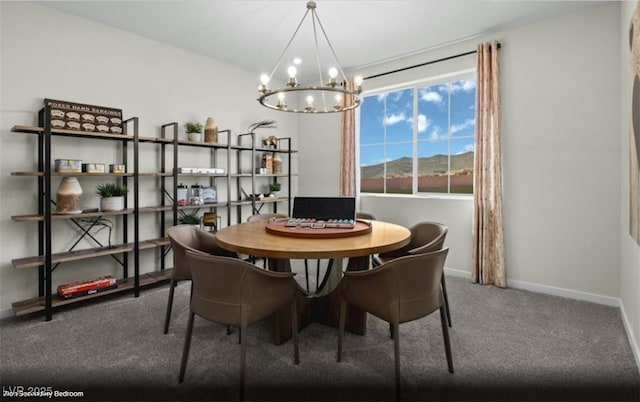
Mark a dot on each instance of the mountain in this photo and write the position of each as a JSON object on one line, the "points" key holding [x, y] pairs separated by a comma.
{"points": [[436, 164]]}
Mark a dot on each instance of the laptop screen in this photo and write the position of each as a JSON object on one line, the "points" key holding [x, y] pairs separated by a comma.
{"points": [[324, 208]]}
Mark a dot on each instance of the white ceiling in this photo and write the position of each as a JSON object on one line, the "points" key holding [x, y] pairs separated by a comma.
{"points": [[253, 33]]}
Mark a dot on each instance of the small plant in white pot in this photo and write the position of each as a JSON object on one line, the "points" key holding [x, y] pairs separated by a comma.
{"points": [[274, 188], [111, 196], [194, 131], [189, 219]]}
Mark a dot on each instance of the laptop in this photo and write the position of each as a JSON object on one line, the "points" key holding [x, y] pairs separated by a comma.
{"points": [[320, 212]]}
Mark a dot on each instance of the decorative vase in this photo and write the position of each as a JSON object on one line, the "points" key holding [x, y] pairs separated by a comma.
{"points": [[277, 163], [68, 196], [195, 137], [210, 131], [112, 203]]}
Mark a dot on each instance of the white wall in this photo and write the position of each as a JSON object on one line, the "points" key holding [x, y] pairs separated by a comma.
{"points": [[561, 155], [48, 54], [629, 249]]}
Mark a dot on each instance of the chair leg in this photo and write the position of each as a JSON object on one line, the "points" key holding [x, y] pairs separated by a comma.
{"points": [[167, 318], [243, 357], [343, 314], [318, 275], [187, 346], [294, 329], [445, 335], [446, 298], [396, 353]]}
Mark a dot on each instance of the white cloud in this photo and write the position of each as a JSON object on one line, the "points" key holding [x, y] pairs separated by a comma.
{"points": [[381, 97], [423, 123], [435, 134], [394, 118], [431, 96], [463, 85], [397, 96], [459, 127]]}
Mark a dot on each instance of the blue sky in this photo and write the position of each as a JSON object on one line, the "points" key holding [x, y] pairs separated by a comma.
{"points": [[436, 132]]}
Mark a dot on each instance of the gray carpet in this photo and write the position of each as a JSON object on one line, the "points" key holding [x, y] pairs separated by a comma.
{"points": [[507, 345]]}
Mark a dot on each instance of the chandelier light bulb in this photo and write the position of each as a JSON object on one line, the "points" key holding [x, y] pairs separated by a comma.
{"points": [[264, 80], [292, 77], [333, 73], [358, 81], [310, 107], [281, 103]]}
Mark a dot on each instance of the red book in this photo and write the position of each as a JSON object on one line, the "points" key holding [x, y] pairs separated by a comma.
{"points": [[87, 287]]}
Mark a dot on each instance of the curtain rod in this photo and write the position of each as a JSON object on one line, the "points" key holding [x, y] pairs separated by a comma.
{"points": [[424, 64]]}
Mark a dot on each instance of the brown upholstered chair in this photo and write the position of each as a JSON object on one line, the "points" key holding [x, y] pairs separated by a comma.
{"points": [[401, 290], [188, 237], [262, 218], [234, 292], [425, 237], [365, 215]]}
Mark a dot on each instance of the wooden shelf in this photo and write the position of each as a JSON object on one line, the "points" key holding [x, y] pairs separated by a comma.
{"points": [[203, 206], [72, 255], [37, 304], [200, 175], [92, 214], [75, 174], [278, 150], [70, 133], [264, 200], [36, 261]]}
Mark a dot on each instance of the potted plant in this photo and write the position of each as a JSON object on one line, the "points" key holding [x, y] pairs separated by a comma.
{"points": [[112, 196], [189, 219], [274, 188], [193, 130]]}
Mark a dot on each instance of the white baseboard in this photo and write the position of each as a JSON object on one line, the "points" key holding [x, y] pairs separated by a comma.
{"points": [[571, 294], [549, 290], [630, 335]]}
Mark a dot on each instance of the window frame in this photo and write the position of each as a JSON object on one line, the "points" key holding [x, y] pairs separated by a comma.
{"points": [[414, 85]]}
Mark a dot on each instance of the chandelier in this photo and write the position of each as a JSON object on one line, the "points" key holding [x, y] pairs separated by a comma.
{"points": [[320, 97]]}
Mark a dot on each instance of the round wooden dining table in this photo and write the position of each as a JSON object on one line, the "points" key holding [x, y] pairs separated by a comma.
{"points": [[254, 239]]}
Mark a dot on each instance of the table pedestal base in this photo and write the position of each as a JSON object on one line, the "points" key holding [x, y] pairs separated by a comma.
{"points": [[321, 309]]}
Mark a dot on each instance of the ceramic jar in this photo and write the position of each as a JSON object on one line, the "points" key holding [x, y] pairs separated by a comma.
{"points": [[210, 131], [68, 196], [277, 163]]}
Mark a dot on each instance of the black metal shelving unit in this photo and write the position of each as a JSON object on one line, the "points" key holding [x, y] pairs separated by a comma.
{"points": [[283, 148]]}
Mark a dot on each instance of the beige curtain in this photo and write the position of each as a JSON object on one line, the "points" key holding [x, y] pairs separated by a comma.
{"points": [[634, 124], [488, 242], [348, 147]]}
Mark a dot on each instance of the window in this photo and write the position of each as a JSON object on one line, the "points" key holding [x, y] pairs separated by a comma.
{"points": [[419, 139]]}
